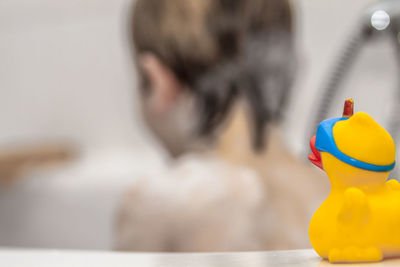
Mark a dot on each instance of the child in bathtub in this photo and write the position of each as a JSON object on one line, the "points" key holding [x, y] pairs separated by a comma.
{"points": [[215, 76]]}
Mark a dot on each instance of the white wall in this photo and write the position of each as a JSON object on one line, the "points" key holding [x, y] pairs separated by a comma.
{"points": [[65, 73], [324, 29], [65, 70]]}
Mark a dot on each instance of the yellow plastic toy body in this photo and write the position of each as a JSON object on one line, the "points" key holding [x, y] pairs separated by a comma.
{"points": [[360, 219]]}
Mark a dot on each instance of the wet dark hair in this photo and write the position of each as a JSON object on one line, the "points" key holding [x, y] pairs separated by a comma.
{"points": [[222, 50]]}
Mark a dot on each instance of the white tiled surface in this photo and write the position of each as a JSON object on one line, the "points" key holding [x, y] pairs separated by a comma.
{"points": [[306, 258]]}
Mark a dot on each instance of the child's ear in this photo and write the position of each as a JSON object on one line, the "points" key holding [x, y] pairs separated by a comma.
{"points": [[164, 85]]}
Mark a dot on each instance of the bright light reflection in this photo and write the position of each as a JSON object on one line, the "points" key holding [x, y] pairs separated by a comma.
{"points": [[380, 20]]}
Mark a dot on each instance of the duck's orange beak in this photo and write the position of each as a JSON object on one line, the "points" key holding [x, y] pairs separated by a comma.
{"points": [[315, 156]]}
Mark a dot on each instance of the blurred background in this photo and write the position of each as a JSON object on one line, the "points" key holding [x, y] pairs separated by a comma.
{"points": [[71, 135]]}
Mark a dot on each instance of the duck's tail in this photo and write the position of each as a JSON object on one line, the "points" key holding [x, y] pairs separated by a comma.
{"points": [[393, 184]]}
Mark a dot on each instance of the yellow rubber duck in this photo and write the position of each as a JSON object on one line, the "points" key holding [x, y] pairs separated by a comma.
{"points": [[360, 219]]}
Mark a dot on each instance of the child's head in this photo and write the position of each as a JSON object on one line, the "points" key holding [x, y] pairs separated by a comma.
{"points": [[197, 57]]}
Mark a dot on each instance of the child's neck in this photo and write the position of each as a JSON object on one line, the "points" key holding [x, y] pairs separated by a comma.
{"points": [[235, 144]]}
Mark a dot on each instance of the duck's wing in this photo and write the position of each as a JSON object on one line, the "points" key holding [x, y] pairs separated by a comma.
{"points": [[355, 210]]}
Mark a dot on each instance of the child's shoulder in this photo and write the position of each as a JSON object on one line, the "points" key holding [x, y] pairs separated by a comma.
{"points": [[211, 176], [198, 196]]}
